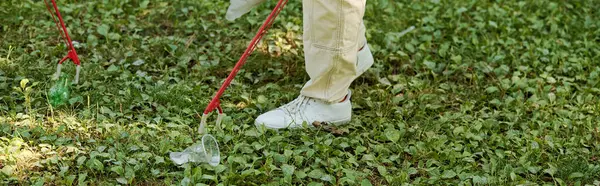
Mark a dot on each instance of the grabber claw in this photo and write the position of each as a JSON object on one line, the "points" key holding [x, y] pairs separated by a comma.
{"points": [[72, 54], [201, 128], [77, 70]]}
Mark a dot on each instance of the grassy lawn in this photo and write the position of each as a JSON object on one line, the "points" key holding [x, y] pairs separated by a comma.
{"points": [[479, 93]]}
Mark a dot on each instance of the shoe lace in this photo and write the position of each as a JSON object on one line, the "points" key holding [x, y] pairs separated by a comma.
{"points": [[297, 105]]}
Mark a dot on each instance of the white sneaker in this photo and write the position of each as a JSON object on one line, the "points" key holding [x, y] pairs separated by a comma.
{"points": [[365, 59], [305, 109]]}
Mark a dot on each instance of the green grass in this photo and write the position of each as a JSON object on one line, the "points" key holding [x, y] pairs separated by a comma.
{"points": [[480, 93]]}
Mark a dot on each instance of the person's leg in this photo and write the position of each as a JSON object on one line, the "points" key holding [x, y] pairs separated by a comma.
{"points": [[333, 34], [336, 53]]}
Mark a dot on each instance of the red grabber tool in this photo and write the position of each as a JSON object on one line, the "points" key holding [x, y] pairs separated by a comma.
{"points": [[208, 150], [72, 54], [214, 103]]}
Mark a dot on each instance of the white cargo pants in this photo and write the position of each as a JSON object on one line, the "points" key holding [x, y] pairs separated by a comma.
{"points": [[333, 34]]}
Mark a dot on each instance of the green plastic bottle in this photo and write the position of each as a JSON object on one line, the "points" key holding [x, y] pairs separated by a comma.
{"points": [[59, 92]]}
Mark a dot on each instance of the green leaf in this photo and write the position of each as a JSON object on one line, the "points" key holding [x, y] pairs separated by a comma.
{"points": [[479, 180], [496, 102], [444, 49], [92, 39], [365, 182], [112, 68], [430, 64], [95, 164], [491, 89], [129, 173], [7, 170], [144, 4], [551, 80], [493, 24], [252, 133], [279, 158], [81, 160], [39, 182], [74, 100], [458, 130], [81, 179], [360, 149], [288, 170], [392, 134], [382, 170], [301, 174], [117, 169], [448, 174], [315, 184], [412, 171], [456, 58], [114, 36], [122, 180], [70, 179], [159, 160], [138, 62], [103, 30], [552, 170], [316, 174], [551, 96], [261, 99], [575, 175], [105, 110], [410, 47], [24, 83], [461, 10]]}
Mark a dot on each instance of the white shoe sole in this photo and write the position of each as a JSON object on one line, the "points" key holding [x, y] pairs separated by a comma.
{"points": [[310, 125], [341, 122]]}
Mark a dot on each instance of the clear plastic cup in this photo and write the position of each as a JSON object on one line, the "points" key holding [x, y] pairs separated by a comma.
{"points": [[207, 151]]}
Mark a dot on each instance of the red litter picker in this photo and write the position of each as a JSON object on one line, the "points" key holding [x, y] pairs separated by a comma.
{"points": [[72, 54], [208, 150]]}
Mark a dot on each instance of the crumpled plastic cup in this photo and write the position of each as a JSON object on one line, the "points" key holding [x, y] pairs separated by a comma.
{"points": [[207, 151]]}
